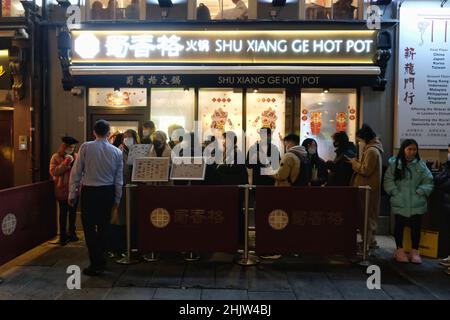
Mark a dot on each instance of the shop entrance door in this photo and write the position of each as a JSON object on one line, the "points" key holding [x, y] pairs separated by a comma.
{"points": [[6, 149], [120, 120]]}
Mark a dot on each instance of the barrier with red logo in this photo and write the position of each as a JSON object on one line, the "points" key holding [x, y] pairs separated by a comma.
{"points": [[188, 218], [308, 220], [27, 218]]}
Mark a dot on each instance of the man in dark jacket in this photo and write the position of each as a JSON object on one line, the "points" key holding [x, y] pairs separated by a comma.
{"points": [[340, 171]]}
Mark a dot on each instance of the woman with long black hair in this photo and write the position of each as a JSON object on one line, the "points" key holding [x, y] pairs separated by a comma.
{"points": [[319, 172], [409, 182]]}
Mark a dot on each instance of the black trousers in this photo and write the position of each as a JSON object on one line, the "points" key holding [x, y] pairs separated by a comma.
{"points": [[414, 222], [64, 210], [96, 205]]}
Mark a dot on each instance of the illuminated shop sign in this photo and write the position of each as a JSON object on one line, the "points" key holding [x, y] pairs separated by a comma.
{"points": [[220, 46]]}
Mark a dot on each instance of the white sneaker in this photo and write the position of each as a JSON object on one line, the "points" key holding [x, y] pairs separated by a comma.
{"points": [[445, 260]]}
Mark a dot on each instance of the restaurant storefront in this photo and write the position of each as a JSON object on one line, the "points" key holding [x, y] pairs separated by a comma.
{"points": [[290, 77]]}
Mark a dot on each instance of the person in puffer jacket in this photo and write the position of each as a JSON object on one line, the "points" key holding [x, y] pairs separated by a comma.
{"points": [[60, 166], [442, 185], [290, 165], [409, 183]]}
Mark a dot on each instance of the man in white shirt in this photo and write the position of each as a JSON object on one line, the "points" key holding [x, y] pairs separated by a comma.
{"points": [[99, 168]]}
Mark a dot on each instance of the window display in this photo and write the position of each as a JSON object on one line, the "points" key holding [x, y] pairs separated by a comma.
{"points": [[172, 106], [220, 110], [123, 97], [324, 112], [223, 9], [266, 109]]}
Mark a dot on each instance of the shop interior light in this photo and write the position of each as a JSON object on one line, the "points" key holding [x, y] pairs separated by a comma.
{"points": [[255, 90], [165, 3], [326, 90], [278, 3], [380, 2]]}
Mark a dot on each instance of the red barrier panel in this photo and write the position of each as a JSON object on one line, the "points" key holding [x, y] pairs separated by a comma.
{"points": [[306, 220], [27, 218], [188, 218]]}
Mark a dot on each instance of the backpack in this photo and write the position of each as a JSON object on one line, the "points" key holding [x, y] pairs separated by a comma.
{"points": [[305, 174]]}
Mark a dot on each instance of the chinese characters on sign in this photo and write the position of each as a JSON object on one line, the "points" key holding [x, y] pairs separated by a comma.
{"points": [[150, 169], [223, 46], [424, 77]]}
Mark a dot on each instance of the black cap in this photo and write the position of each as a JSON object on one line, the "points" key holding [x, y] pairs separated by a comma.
{"points": [[69, 140]]}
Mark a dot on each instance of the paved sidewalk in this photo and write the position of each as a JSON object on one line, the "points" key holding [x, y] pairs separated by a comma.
{"points": [[41, 274]]}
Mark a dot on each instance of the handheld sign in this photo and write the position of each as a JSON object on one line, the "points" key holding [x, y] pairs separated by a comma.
{"points": [[151, 169], [188, 168]]}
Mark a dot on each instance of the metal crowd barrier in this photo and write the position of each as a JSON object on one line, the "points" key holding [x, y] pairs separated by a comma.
{"points": [[246, 259]]}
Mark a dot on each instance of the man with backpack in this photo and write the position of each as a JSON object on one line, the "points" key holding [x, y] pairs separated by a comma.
{"points": [[295, 167]]}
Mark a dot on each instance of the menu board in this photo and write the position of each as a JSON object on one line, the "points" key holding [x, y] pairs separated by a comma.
{"points": [[151, 169], [188, 168], [138, 151], [423, 111]]}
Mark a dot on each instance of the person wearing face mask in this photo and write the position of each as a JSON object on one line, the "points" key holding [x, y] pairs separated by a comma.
{"points": [[60, 166], [409, 182], [340, 172], [147, 130], [319, 173], [442, 184], [368, 172], [160, 149]]}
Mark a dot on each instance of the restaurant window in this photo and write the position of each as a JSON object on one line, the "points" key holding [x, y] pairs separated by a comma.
{"points": [[324, 112], [222, 10], [265, 109], [114, 9], [173, 106], [118, 97], [220, 110], [331, 9]]}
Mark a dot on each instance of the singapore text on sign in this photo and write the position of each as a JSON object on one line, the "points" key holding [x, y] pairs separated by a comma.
{"points": [[224, 46]]}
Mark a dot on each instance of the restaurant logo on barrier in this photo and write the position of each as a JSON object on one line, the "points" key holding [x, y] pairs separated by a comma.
{"points": [[160, 218], [278, 219], [9, 224], [224, 46]]}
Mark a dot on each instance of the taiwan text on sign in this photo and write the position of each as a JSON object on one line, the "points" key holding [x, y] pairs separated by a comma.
{"points": [[224, 46]]}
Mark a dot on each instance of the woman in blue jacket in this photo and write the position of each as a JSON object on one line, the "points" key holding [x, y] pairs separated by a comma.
{"points": [[409, 182]]}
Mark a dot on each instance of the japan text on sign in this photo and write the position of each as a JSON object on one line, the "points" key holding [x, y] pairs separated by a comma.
{"points": [[224, 46]]}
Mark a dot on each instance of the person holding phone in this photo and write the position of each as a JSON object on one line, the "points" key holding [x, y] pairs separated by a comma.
{"points": [[368, 172]]}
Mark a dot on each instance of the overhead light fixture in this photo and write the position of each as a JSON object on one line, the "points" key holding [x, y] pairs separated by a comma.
{"points": [[278, 3], [29, 6], [64, 3], [326, 90], [380, 2], [255, 90], [165, 3]]}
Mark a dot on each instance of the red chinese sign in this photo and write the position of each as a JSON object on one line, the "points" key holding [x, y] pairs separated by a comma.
{"points": [[298, 220]]}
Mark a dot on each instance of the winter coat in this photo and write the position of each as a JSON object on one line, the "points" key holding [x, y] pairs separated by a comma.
{"points": [[442, 184], [409, 195], [368, 172], [341, 171], [290, 167], [61, 175], [229, 173]]}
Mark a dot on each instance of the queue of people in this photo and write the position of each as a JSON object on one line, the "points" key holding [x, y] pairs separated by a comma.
{"points": [[100, 170]]}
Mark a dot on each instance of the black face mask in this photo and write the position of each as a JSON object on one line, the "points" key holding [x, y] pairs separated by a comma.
{"points": [[335, 144], [158, 144]]}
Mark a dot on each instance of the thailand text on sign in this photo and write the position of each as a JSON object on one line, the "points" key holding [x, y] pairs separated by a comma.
{"points": [[225, 46]]}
